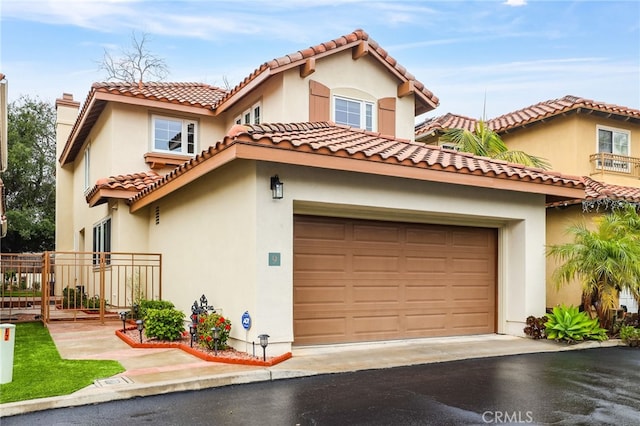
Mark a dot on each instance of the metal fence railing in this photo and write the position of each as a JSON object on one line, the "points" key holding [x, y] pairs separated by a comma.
{"points": [[73, 285]]}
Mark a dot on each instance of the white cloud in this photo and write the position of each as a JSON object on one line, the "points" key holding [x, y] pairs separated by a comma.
{"points": [[515, 2]]}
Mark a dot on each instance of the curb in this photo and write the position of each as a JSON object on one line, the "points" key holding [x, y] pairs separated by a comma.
{"points": [[92, 395]]}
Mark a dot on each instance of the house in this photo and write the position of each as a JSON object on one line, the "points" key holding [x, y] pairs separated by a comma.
{"points": [[580, 137], [371, 236]]}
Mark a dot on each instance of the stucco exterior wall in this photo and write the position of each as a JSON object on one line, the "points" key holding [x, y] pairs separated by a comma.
{"points": [[567, 142], [284, 98], [558, 221], [216, 235], [207, 235]]}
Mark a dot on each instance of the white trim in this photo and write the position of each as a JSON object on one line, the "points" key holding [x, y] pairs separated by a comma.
{"points": [[184, 146], [363, 105], [87, 167], [249, 115], [613, 130]]}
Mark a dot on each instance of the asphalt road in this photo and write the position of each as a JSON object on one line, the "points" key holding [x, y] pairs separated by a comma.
{"points": [[588, 387]]}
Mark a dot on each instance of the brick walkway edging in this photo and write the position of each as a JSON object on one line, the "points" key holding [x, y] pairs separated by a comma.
{"points": [[206, 357]]}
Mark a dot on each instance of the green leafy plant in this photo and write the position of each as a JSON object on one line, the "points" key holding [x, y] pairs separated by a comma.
{"points": [[94, 303], [72, 298], [630, 335], [571, 325], [164, 324], [536, 327], [145, 305], [205, 334]]}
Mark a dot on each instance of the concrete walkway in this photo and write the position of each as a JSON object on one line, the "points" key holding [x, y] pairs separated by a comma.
{"points": [[159, 371]]}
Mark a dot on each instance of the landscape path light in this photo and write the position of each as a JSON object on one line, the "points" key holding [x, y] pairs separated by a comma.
{"points": [[140, 325], [216, 337], [264, 341], [193, 330], [123, 318]]}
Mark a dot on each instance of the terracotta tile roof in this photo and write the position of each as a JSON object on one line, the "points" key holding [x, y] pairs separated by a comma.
{"points": [[194, 94], [443, 123], [337, 141], [602, 194], [338, 44], [554, 107], [528, 115], [125, 185]]}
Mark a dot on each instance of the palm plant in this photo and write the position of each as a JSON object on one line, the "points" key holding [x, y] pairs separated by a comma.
{"points": [[605, 260], [486, 143]]}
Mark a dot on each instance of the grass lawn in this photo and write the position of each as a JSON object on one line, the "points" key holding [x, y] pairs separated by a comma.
{"points": [[39, 372], [20, 293]]}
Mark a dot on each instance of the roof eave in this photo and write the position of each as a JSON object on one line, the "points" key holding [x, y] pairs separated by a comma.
{"points": [[245, 148]]}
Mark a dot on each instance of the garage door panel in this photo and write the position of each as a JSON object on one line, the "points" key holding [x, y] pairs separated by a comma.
{"points": [[426, 293], [365, 263], [320, 262], [314, 329], [319, 295], [471, 319], [421, 324], [425, 263], [375, 323], [378, 294], [375, 234], [426, 237], [391, 280], [470, 239], [469, 266], [324, 231], [472, 293]]}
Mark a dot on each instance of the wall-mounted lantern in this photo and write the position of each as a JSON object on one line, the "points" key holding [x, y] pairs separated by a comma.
{"points": [[277, 188]]}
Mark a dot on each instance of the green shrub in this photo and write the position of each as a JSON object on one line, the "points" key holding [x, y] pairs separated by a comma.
{"points": [[536, 327], [630, 335], [72, 298], [164, 324], [568, 323], [153, 304], [94, 303], [205, 335]]}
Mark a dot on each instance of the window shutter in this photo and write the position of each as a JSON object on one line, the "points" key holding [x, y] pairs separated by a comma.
{"points": [[318, 102], [387, 116]]}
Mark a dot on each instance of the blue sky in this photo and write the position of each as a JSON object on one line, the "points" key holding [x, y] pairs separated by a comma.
{"points": [[516, 52]]}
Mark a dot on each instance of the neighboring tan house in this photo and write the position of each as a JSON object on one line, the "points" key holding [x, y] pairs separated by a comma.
{"points": [[579, 137], [374, 236]]}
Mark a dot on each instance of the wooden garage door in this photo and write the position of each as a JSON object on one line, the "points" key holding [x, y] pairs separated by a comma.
{"points": [[360, 280]]}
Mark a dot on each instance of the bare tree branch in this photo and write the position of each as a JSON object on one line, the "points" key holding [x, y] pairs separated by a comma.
{"points": [[134, 64]]}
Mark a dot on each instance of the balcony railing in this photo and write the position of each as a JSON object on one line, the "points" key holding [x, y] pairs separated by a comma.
{"points": [[604, 163]]}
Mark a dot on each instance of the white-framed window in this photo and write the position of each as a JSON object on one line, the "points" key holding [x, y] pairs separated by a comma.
{"points": [[175, 135], [87, 167], [250, 116], [616, 142], [353, 112], [102, 240]]}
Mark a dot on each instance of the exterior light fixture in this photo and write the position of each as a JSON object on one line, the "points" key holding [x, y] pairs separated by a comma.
{"points": [[264, 341], [136, 309], [140, 325], [277, 188], [216, 338], [193, 330], [123, 318]]}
